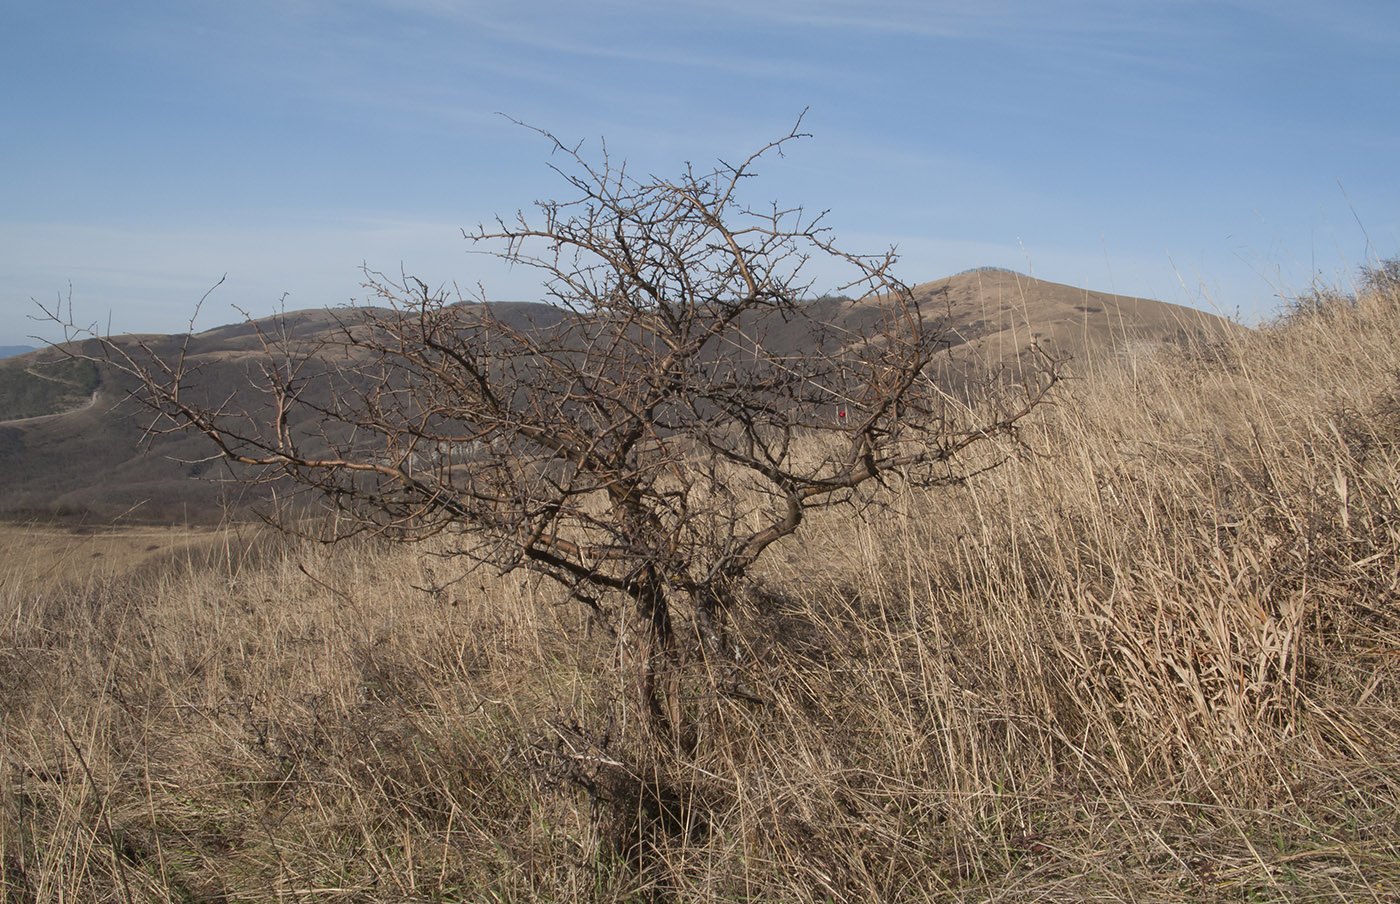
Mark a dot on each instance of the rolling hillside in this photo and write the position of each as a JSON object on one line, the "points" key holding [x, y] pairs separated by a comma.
{"points": [[73, 443]]}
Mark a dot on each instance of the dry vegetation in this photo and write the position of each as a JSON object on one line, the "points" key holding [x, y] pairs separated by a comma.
{"points": [[1157, 660]]}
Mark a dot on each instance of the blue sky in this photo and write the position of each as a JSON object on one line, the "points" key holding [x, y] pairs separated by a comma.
{"points": [[1207, 153]]}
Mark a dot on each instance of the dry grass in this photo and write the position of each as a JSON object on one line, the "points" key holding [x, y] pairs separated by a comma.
{"points": [[41, 556], [1156, 660]]}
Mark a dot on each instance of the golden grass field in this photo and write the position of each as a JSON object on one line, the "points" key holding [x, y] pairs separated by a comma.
{"points": [[1154, 657], [43, 557]]}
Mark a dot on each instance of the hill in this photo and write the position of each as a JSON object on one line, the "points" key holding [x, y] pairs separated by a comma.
{"points": [[1001, 314], [1153, 660], [73, 442]]}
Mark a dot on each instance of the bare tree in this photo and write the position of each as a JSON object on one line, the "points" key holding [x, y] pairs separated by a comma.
{"points": [[682, 403]]}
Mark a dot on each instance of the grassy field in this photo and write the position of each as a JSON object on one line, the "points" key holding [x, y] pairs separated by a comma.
{"points": [[1154, 657], [47, 557]]}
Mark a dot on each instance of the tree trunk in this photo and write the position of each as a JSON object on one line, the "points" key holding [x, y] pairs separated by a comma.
{"points": [[654, 667]]}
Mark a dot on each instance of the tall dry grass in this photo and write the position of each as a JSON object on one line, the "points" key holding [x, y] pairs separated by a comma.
{"points": [[1155, 656]]}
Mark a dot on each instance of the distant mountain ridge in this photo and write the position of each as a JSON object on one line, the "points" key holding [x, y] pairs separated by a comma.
{"points": [[9, 351], [88, 454]]}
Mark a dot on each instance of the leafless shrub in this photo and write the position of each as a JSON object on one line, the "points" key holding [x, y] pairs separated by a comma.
{"points": [[681, 404], [1160, 664]]}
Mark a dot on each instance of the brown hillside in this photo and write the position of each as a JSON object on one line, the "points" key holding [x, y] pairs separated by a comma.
{"points": [[999, 314], [94, 460]]}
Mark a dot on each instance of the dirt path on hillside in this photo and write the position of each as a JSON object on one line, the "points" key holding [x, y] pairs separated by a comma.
{"points": [[40, 417]]}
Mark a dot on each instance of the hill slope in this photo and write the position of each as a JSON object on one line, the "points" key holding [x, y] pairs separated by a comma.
{"points": [[1157, 660], [65, 448], [1000, 314]]}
